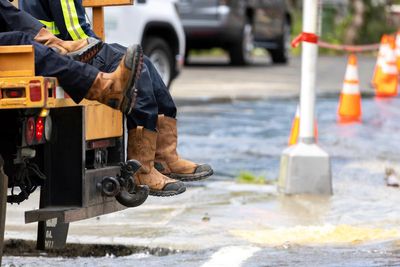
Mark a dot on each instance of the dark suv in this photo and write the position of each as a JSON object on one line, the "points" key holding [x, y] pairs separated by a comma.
{"points": [[238, 26]]}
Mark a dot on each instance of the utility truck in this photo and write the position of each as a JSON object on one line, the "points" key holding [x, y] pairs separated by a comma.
{"points": [[74, 153]]}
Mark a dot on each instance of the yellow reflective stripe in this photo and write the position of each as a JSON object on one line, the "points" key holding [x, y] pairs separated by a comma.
{"points": [[71, 20], [51, 26], [67, 20], [75, 20]]}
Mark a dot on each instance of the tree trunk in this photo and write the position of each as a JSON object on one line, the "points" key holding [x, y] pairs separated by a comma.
{"points": [[356, 23]]}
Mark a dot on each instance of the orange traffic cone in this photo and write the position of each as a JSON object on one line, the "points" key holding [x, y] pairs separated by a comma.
{"points": [[383, 48], [294, 133], [349, 109], [387, 82], [398, 50]]}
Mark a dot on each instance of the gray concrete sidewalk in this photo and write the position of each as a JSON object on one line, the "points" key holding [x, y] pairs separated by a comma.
{"points": [[203, 80]]}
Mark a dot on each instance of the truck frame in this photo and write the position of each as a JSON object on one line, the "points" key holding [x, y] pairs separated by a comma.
{"points": [[75, 153]]}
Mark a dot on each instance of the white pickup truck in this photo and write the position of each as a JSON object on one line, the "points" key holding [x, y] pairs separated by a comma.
{"points": [[156, 25]]}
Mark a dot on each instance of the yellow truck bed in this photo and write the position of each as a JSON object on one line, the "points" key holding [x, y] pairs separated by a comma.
{"points": [[21, 89]]}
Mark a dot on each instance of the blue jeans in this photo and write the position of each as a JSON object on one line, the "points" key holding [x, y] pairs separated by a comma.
{"points": [[153, 96]]}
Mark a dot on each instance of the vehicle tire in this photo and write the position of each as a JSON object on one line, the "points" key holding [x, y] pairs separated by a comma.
{"points": [[240, 51], [3, 204], [281, 54], [161, 55]]}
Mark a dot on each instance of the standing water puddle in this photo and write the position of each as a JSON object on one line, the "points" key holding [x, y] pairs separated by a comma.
{"points": [[220, 222]]}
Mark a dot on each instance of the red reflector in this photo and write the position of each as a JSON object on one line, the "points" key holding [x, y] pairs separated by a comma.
{"points": [[35, 89], [13, 93], [39, 129], [30, 130]]}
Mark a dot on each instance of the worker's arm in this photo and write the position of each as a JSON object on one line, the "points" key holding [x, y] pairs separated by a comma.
{"points": [[13, 19]]}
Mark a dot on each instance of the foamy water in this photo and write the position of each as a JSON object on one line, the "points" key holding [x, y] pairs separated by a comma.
{"points": [[358, 226]]}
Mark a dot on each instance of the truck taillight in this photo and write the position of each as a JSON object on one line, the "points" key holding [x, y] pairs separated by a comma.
{"points": [[39, 129], [12, 93], [35, 91], [30, 131]]}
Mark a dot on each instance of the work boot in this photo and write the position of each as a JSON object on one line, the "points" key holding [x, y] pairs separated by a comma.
{"points": [[167, 159], [82, 50], [117, 89], [142, 147]]}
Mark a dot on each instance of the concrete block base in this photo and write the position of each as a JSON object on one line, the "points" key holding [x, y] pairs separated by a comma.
{"points": [[305, 169]]}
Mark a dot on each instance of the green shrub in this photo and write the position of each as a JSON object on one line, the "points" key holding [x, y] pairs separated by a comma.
{"points": [[334, 25]]}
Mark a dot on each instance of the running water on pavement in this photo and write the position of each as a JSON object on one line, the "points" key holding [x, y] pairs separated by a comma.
{"points": [[221, 222]]}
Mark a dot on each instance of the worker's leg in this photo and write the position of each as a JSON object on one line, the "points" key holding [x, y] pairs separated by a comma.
{"points": [[145, 111], [162, 95], [82, 80], [167, 160], [151, 87], [142, 140], [75, 77], [155, 110]]}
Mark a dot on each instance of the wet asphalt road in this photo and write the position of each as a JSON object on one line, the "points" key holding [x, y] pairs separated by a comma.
{"points": [[252, 225]]}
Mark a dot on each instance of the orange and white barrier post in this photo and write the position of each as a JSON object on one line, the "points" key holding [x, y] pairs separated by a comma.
{"points": [[349, 109], [386, 76], [294, 133]]}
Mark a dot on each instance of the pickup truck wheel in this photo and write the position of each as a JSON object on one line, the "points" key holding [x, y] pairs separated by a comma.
{"points": [[161, 56], [281, 54], [3, 203], [240, 52]]}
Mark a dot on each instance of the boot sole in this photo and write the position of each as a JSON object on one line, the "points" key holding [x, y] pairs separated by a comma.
{"points": [[190, 177], [158, 193], [88, 52], [136, 53]]}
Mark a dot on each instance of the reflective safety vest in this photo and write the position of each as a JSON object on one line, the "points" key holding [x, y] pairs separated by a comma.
{"points": [[64, 18], [51, 26], [71, 19]]}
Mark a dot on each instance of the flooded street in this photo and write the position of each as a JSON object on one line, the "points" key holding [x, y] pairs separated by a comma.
{"points": [[221, 222]]}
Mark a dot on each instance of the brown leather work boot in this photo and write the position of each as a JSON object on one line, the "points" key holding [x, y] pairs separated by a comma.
{"points": [[167, 159], [117, 89], [82, 50], [142, 147]]}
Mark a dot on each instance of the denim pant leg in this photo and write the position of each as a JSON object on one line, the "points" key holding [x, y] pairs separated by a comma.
{"points": [[145, 112], [108, 58], [153, 96], [153, 99], [166, 104], [75, 77]]}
